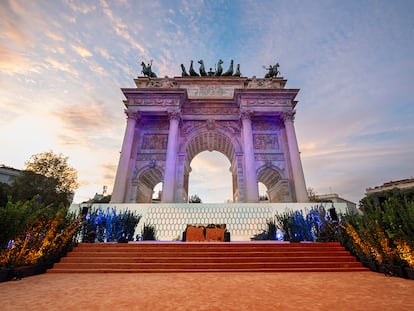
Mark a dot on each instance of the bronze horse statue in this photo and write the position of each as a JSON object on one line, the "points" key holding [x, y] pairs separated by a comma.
{"points": [[219, 69], [272, 71], [146, 70], [202, 69]]}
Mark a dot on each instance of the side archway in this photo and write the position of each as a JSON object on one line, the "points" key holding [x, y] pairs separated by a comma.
{"points": [[277, 186], [145, 182]]}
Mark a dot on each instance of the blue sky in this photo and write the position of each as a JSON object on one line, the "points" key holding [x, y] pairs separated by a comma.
{"points": [[62, 64]]}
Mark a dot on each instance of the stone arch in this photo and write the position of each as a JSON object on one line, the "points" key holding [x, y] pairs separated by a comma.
{"points": [[277, 186], [147, 178], [212, 140]]}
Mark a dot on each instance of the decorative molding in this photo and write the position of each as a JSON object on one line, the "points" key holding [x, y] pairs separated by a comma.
{"points": [[132, 114], [211, 110], [255, 83], [174, 114], [288, 116], [230, 126], [267, 102], [157, 102], [246, 114], [151, 157], [268, 157], [210, 124], [165, 83], [189, 126]]}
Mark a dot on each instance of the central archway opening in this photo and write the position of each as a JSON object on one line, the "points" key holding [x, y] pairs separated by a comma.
{"points": [[210, 177]]}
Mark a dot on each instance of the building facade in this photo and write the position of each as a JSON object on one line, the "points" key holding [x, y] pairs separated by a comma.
{"points": [[8, 174]]}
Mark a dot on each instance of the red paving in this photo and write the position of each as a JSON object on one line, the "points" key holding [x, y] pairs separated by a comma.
{"points": [[209, 291]]}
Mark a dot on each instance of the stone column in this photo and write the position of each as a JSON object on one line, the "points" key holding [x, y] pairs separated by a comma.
{"points": [[171, 161], [251, 187], [297, 170], [118, 194], [133, 193]]}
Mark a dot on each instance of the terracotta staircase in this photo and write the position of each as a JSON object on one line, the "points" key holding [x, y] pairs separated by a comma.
{"points": [[207, 257]]}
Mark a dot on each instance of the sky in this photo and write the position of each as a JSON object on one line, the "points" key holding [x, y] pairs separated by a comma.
{"points": [[63, 63]]}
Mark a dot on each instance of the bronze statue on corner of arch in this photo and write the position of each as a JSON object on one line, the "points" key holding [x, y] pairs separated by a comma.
{"points": [[272, 71]]}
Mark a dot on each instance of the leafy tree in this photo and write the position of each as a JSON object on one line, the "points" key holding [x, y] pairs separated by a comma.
{"points": [[48, 176], [30, 185], [194, 199], [312, 195], [4, 194], [55, 166]]}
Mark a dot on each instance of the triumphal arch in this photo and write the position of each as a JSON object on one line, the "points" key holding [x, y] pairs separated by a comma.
{"points": [[171, 120]]}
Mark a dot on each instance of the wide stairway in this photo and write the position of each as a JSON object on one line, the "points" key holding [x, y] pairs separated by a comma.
{"points": [[163, 257]]}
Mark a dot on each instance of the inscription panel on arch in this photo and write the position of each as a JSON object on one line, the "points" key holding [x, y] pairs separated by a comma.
{"points": [[210, 91]]}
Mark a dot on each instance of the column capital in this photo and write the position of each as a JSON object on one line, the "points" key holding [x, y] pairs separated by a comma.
{"points": [[246, 114], [174, 114], [132, 114], [288, 116]]}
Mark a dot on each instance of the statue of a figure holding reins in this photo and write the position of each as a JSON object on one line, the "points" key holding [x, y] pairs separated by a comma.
{"points": [[272, 71], [147, 71]]}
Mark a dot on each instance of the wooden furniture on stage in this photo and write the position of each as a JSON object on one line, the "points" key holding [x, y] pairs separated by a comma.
{"points": [[209, 233]]}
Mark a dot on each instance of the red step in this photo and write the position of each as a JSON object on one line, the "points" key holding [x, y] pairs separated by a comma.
{"points": [[208, 257]]}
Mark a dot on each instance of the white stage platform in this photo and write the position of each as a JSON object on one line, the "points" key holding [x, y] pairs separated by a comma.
{"points": [[243, 220]]}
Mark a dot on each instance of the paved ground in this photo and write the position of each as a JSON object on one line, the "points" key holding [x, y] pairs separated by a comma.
{"points": [[209, 291]]}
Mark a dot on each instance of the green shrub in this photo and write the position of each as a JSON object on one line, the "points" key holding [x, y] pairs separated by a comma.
{"points": [[149, 233], [14, 217]]}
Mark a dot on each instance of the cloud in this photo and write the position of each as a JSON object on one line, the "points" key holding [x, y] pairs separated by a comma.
{"points": [[120, 28], [54, 36], [14, 62], [103, 52], [61, 66], [11, 23], [70, 140], [108, 172], [82, 51], [80, 6], [98, 69], [82, 118]]}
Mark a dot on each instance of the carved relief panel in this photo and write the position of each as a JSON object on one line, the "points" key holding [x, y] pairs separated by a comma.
{"points": [[265, 142], [155, 141]]}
